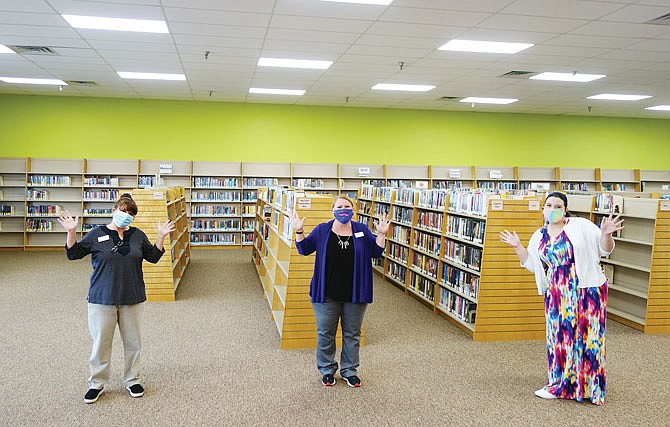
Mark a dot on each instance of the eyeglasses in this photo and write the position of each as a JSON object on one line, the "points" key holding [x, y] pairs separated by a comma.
{"points": [[116, 247]]}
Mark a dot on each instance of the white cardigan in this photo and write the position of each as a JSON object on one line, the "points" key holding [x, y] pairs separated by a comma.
{"points": [[585, 238]]}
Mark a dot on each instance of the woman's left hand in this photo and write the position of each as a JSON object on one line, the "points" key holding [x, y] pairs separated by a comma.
{"points": [[609, 225], [165, 228], [383, 223]]}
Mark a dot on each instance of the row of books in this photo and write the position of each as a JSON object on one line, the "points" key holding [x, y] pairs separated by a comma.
{"points": [[39, 225], [463, 281], [397, 272], [214, 238], [466, 228], [384, 194], [101, 195], [381, 209], [609, 186], [400, 234], [421, 285], [433, 199], [447, 185], [430, 220], [6, 210], [307, 183], [249, 210], [463, 254], [405, 196], [47, 210], [259, 182], [101, 180], [33, 194], [364, 207], [575, 186], [608, 203], [425, 264], [215, 225], [469, 203], [498, 185], [216, 196], [208, 181], [397, 251], [458, 306], [427, 242], [214, 210], [403, 215], [50, 180]]}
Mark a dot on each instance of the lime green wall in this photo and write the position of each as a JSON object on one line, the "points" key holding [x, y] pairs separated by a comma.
{"points": [[37, 126]]}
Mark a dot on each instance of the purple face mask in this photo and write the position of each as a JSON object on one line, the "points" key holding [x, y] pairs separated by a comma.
{"points": [[343, 215]]}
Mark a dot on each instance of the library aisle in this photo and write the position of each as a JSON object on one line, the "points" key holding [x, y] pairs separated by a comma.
{"points": [[212, 358]]}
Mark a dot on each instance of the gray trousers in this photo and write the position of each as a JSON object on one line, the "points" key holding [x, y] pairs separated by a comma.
{"points": [[328, 315], [102, 321]]}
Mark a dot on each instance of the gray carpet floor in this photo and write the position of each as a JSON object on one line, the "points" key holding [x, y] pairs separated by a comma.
{"points": [[212, 358]]}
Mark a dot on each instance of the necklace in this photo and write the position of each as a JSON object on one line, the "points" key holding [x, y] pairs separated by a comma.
{"points": [[344, 244]]}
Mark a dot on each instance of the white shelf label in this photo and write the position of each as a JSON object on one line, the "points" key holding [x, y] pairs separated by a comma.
{"points": [[665, 205], [158, 195], [495, 174], [454, 173], [421, 184], [496, 205], [305, 203], [533, 205], [165, 168], [363, 171]]}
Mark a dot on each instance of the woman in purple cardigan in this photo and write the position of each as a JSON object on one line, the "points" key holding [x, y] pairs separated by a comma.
{"points": [[341, 286]]}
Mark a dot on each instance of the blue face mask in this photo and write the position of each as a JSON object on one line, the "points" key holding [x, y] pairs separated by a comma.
{"points": [[343, 215], [122, 219]]}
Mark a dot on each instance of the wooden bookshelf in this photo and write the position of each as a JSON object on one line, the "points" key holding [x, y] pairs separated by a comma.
{"points": [[158, 205], [578, 180], [451, 177], [321, 177], [638, 269], [353, 176], [284, 274], [13, 181], [443, 249], [496, 178], [538, 179], [407, 176]]}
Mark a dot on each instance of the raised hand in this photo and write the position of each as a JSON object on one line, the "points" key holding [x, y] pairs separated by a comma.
{"points": [[165, 228], [609, 225], [69, 224], [296, 222], [382, 223], [510, 238]]}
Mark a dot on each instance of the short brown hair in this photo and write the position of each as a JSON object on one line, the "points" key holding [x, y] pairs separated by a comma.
{"points": [[126, 204]]}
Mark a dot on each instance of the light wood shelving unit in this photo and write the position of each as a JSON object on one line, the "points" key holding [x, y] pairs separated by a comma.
{"points": [[447, 254], [158, 205]]}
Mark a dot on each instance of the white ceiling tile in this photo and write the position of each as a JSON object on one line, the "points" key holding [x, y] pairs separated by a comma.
{"points": [[41, 19], [28, 6], [402, 29], [653, 45], [328, 9], [311, 35], [636, 14], [209, 42], [620, 29], [433, 16], [178, 28], [531, 23], [293, 47], [311, 23], [572, 9], [399, 41], [106, 9], [214, 17], [468, 5], [7, 29], [592, 41], [510, 36], [106, 45], [256, 6]]}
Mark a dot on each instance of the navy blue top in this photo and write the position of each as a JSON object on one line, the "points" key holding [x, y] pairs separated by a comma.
{"points": [[365, 249], [117, 274]]}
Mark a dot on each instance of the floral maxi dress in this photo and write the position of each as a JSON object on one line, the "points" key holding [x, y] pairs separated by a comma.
{"points": [[575, 326]]}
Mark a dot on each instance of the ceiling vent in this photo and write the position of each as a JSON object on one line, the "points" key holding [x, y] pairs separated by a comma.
{"points": [[518, 74], [80, 83], [661, 20], [33, 50], [449, 98]]}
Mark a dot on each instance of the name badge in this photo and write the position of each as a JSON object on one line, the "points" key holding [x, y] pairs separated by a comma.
{"points": [[103, 238], [359, 234]]}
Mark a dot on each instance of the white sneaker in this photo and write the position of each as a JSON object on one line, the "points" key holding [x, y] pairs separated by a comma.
{"points": [[544, 394]]}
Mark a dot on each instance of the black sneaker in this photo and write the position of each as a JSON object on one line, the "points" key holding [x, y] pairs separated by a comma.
{"points": [[328, 380], [353, 381], [136, 390], [92, 395]]}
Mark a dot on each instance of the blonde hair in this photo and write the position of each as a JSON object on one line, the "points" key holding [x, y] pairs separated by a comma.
{"points": [[343, 197]]}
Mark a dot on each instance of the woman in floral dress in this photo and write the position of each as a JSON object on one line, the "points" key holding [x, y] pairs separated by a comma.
{"points": [[565, 257]]}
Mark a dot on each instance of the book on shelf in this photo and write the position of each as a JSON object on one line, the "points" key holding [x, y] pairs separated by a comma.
{"points": [[49, 180], [108, 181], [6, 210]]}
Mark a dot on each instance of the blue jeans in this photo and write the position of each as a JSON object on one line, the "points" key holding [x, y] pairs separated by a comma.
{"points": [[328, 315]]}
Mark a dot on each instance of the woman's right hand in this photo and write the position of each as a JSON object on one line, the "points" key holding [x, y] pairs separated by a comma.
{"points": [[296, 223], [510, 238], [69, 224]]}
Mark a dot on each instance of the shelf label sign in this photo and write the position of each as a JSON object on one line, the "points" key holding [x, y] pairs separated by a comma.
{"points": [[305, 203], [665, 205], [165, 168], [363, 171], [454, 173], [533, 205], [421, 184], [495, 174], [496, 205], [158, 195]]}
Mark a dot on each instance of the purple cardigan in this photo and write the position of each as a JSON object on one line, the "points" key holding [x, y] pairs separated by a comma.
{"points": [[365, 248]]}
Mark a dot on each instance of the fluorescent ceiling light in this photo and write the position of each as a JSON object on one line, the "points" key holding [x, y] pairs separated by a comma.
{"points": [[28, 81], [150, 76], [567, 77], [294, 92], [294, 63], [478, 100], [484, 46], [408, 88], [378, 2], [659, 108], [117, 24], [618, 97], [5, 49]]}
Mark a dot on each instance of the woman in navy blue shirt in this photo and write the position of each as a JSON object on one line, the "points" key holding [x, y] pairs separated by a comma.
{"points": [[341, 286], [116, 294]]}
